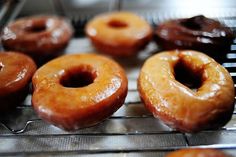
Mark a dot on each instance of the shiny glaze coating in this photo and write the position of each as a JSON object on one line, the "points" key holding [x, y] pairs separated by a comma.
{"points": [[210, 106], [197, 152], [37, 36], [16, 71], [78, 107], [196, 33], [119, 33]]}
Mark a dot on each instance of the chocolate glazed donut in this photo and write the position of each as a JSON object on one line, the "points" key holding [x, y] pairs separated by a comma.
{"points": [[197, 33]]}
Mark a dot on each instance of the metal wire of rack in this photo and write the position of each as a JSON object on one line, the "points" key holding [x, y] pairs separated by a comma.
{"points": [[131, 131]]}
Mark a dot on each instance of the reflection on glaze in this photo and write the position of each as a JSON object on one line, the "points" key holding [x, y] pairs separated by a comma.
{"points": [[110, 90], [20, 75], [1, 66], [8, 34], [92, 32]]}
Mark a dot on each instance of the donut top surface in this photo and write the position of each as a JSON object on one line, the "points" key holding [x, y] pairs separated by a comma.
{"points": [[118, 28], [29, 27], [36, 33], [199, 29], [197, 152], [16, 70], [103, 78]]}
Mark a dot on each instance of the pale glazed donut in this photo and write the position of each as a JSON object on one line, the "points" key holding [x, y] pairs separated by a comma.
{"points": [[37, 36], [197, 152], [210, 106], [119, 33], [77, 91], [16, 71]]}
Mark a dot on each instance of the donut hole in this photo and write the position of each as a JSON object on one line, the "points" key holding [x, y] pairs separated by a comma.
{"points": [[117, 24], [78, 77], [194, 23], [37, 28], [1, 66], [187, 76]]}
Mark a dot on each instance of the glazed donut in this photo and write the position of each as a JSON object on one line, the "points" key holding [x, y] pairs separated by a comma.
{"points": [[197, 152], [16, 71], [77, 91], [165, 88], [119, 33], [196, 33], [37, 36]]}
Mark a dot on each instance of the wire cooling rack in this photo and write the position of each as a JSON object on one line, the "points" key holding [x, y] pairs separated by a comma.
{"points": [[131, 131]]}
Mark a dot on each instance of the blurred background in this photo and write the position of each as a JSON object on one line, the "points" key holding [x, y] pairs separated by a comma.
{"points": [[154, 11], [212, 8]]}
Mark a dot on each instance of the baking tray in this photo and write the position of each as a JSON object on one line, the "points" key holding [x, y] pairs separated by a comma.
{"points": [[131, 131]]}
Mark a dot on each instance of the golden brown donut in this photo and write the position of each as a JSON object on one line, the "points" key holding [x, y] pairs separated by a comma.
{"points": [[196, 33], [119, 33], [37, 36], [209, 106], [197, 152], [16, 71], [77, 91]]}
